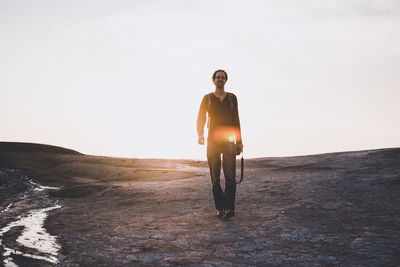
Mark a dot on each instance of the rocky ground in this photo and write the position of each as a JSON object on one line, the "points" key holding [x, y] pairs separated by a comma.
{"points": [[320, 210]]}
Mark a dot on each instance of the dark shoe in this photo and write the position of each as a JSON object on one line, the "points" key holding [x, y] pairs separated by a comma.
{"points": [[220, 213], [228, 214]]}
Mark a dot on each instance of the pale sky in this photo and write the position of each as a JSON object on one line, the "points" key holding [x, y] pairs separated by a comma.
{"points": [[126, 78]]}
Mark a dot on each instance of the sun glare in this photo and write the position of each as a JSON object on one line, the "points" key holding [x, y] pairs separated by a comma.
{"points": [[225, 133]]}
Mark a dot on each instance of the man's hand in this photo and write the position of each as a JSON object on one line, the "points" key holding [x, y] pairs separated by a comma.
{"points": [[239, 149], [200, 141]]}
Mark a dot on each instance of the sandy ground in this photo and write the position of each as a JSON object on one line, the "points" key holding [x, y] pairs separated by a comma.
{"points": [[321, 210]]}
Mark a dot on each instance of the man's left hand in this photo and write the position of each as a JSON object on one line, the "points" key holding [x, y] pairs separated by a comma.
{"points": [[239, 149]]}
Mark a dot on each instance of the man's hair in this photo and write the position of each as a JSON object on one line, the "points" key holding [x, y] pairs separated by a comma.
{"points": [[215, 74]]}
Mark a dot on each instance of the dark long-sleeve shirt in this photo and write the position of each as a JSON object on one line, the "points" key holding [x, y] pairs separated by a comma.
{"points": [[224, 118]]}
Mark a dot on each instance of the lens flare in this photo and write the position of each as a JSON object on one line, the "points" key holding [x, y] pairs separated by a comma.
{"points": [[225, 134]]}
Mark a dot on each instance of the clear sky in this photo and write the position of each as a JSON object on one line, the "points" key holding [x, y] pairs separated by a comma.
{"points": [[125, 78]]}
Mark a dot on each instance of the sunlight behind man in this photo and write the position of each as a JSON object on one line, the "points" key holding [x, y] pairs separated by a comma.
{"points": [[225, 134]]}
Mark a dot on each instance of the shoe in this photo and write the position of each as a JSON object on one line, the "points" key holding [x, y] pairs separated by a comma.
{"points": [[228, 214], [220, 213]]}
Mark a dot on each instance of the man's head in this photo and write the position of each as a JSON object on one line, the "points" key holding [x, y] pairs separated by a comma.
{"points": [[219, 78]]}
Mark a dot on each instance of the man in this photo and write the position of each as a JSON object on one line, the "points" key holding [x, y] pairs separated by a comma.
{"points": [[224, 128]]}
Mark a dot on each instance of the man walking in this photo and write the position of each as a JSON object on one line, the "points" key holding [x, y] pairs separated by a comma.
{"points": [[223, 131]]}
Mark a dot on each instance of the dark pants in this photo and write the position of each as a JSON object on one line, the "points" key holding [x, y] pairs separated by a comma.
{"points": [[228, 150]]}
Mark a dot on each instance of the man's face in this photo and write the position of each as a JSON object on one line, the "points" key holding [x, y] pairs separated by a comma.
{"points": [[220, 79]]}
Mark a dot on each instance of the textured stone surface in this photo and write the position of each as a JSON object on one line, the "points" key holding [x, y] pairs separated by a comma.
{"points": [[330, 209]]}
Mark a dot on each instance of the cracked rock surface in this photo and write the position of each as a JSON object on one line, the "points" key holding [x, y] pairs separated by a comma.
{"points": [[319, 210]]}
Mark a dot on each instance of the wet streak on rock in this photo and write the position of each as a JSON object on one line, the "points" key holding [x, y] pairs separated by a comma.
{"points": [[22, 236]]}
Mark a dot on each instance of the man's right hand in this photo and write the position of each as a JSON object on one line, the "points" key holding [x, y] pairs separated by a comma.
{"points": [[200, 141]]}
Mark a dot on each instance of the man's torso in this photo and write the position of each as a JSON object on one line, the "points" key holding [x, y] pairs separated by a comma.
{"points": [[220, 111]]}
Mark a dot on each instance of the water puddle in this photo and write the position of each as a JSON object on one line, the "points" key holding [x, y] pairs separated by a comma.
{"points": [[33, 236], [33, 241]]}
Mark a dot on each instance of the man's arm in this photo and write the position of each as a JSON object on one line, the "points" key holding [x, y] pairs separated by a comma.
{"points": [[236, 121], [201, 120]]}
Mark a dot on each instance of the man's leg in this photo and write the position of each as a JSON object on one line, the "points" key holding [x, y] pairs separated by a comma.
{"points": [[229, 166], [214, 162]]}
